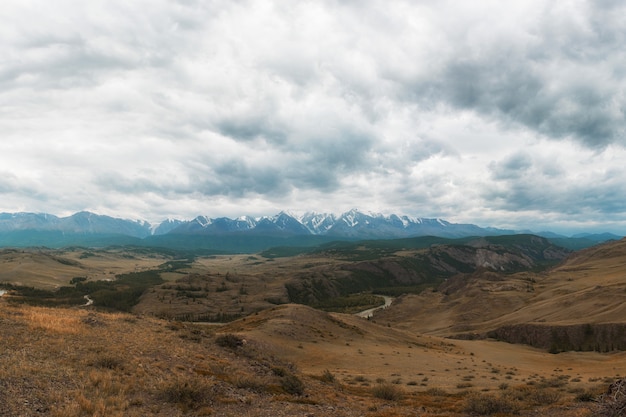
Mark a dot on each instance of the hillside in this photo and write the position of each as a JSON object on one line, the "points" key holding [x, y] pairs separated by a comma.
{"points": [[286, 361], [412, 265], [588, 288]]}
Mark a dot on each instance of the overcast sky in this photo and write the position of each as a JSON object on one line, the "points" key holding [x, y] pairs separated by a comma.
{"points": [[507, 114]]}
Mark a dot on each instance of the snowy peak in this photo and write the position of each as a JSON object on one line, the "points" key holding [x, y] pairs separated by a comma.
{"points": [[165, 226], [353, 224], [318, 223]]}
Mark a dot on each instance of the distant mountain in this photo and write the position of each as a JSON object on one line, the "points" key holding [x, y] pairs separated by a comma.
{"points": [[79, 223], [282, 224], [598, 237], [243, 233], [353, 224]]}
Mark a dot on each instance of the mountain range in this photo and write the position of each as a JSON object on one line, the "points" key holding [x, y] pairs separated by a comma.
{"points": [[243, 233]]}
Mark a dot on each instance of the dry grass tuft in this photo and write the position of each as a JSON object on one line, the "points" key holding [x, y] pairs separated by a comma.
{"points": [[229, 340], [388, 391], [486, 404], [187, 393], [328, 377], [292, 384]]}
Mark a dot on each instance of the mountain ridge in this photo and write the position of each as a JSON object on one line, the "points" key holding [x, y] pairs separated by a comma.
{"points": [[284, 228]]}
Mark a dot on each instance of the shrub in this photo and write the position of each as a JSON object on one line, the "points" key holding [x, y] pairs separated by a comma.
{"points": [[484, 404], [586, 396], [108, 362], [278, 371], [229, 340], [187, 393], [544, 396], [250, 383], [328, 377], [439, 392], [388, 391], [292, 384]]}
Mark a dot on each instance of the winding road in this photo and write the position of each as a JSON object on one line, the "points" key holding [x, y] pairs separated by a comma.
{"points": [[370, 311]]}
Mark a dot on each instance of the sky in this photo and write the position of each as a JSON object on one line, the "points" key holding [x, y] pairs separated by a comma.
{"points": [[505, 114]]}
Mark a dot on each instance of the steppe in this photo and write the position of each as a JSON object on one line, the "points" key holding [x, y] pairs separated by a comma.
{"points": [[428, 354]]}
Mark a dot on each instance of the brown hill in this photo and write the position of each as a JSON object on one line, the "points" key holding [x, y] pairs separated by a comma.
{"points": [[587, 288]]}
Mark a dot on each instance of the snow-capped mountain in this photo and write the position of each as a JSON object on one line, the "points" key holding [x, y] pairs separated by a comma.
{"points": [[223, 233], [353, 224], [281, 224], [165, 226], [318, 223]]}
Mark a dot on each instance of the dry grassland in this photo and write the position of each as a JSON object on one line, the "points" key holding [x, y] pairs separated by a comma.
{"points": [[292, 361], [50, 269]]}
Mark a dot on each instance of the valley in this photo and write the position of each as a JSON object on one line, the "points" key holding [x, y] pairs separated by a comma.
{"points": [[455, 341]]}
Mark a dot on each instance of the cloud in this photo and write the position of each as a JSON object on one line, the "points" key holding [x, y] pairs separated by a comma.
{"points": [[555, 70], [443, 109], [585, 189]]}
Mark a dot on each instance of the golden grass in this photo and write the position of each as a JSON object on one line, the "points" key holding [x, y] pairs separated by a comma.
{"points": [[54, 320]]}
